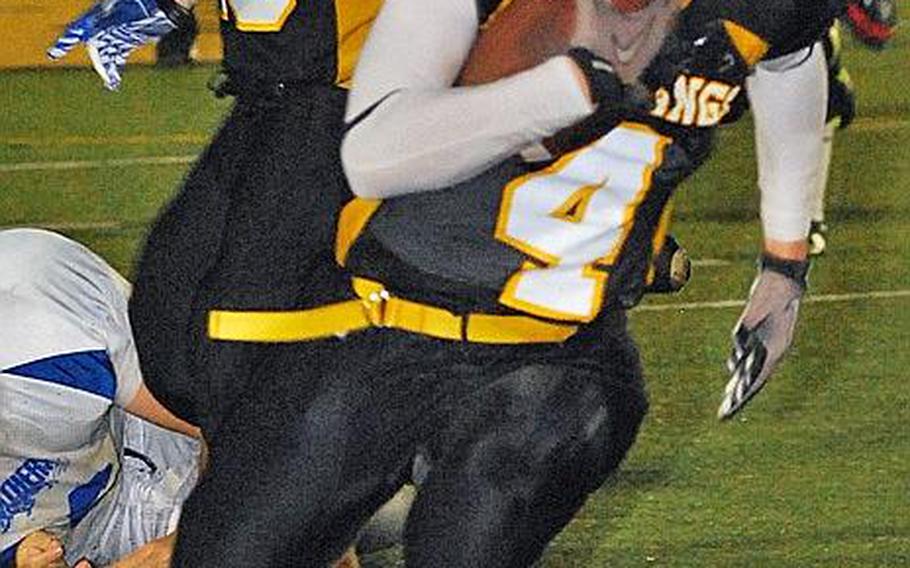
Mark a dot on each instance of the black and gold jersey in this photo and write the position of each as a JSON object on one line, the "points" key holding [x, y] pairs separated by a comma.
{"points": [[563, 240], [267, 41], [560, 242]]}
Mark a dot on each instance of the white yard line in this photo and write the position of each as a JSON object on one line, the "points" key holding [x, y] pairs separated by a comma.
{"points": [[710, 262], [865, 124], [810, 299], [95, 164], [70, 226]]}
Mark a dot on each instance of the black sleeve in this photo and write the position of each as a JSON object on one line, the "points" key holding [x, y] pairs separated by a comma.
{"points": [[786, 25]]}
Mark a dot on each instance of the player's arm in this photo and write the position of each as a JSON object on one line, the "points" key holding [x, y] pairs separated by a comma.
{"points": [[788, 98], [112, 29], [411, 130], [145, 406]]}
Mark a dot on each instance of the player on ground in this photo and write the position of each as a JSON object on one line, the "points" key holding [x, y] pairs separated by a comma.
{"points": [[488, 327], [79, 477]]}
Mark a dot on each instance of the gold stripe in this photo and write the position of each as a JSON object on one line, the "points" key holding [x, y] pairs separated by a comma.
{"points": [[418, 318], [502, 6], [750, 46], [351, 222], [287, 326], [270, 26], [353, 19], [484, 328], [657, 243], [377, 308]]}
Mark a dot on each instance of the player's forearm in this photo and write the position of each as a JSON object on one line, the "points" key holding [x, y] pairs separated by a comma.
{"points": [[145, 406], [421, 140], [413, 131], [788, 104], [787, 250]]}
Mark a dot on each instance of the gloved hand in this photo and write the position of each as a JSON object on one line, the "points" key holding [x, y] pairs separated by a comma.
{"points": [[672, 268], [605, 85], [764, 332], [112, 29]]}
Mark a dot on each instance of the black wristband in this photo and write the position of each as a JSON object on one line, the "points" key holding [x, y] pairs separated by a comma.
{"points": [[602, 80], [180, 16], [796, 270]]}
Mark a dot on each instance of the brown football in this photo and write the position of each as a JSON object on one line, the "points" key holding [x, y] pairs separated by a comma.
{"points": [[519, 36]]}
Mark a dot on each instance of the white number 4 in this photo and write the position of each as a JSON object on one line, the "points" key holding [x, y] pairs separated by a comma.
{"points": [[572, 219]]}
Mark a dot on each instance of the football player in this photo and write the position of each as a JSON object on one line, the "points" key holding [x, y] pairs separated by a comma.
{"points": [[91, 465], [252, 227], [92, 468], [487, 326], [872, 23]]}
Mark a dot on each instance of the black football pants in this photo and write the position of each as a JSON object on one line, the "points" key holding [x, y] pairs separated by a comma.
{"points": [[252, 228], [516, 436]]}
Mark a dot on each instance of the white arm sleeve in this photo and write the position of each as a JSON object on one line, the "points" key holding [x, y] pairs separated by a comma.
{"points": [[788, 96], [425, 134]]}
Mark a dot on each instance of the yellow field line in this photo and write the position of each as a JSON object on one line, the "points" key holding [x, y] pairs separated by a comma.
{"points": [[864, 124]]}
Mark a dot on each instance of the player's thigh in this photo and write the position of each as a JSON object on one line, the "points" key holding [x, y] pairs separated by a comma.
{"points": [[322, 429], [516, 460], [539, 422]]}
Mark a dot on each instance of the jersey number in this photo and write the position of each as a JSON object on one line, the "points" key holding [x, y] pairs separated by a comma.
{"points": [[572, 219], [258, 15]]}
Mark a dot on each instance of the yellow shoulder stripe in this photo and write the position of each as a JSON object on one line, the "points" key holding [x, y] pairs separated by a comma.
{"points": [[353, 219], [750, 46]]}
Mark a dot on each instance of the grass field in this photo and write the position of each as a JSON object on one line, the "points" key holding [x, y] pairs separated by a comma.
{"points": [[816, 472]]}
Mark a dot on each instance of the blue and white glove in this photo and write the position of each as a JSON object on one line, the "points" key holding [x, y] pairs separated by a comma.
{"points": [[764, 332], [112, 29]]}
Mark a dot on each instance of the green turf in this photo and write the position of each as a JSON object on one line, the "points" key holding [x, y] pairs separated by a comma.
{"points": [[816, 472]]}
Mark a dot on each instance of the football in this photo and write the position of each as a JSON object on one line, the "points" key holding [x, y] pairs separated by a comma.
{"points": [[524, 33], [519, 36]]}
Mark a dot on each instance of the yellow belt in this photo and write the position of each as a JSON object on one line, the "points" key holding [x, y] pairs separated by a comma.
{"points": [[377, 308]]}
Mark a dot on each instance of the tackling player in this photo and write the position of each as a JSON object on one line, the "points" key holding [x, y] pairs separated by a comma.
{"points": [[79, 477], [92, 467], [488, 327]]}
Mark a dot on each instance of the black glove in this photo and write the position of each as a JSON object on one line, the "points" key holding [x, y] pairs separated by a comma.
{"points": [[672, 268], [871, 21], [605, 85]]}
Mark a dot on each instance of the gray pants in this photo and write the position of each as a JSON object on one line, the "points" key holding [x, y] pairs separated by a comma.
{"points": [[158, 470]]}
